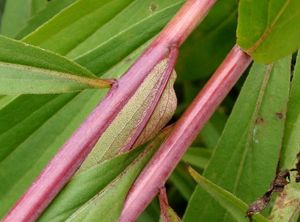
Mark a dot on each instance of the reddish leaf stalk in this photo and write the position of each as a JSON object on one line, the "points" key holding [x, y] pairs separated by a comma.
{"points": [[164, 204], [185, 131], [61, 168]]}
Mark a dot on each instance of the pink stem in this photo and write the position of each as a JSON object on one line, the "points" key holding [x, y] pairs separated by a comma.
{"points": [[164, 204], [183, 23], [185, 131], [65, 163]]}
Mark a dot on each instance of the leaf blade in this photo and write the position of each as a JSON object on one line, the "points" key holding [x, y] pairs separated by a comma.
{"points": [[268, 30], [245, 146], [286, 207], [76, 109], [101, 187], [25, 69], [19, 79], [233, 204]]}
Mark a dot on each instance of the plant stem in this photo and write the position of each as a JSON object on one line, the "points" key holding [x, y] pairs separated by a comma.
{"points": [[185, 131], [61, 168], [164, 204]]}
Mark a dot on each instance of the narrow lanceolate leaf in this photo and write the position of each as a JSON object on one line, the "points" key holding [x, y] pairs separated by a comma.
{"points": [[287, 205], [45, 122], [85, 185], [101, 54], [42, 15], [82, 13], [25, 69], [15, 79], [15, 16], [269, 29], [75, 150], [20, 79], [235, 206], [38, 5], [49, 120], [19, 53], [91, 194], [253, 144]]}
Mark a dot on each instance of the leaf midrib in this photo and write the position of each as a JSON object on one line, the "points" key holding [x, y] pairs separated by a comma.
{"points": [[251, 125], [29, 36], [268, 29], [124, 31], [249, 133], [92, 82]]}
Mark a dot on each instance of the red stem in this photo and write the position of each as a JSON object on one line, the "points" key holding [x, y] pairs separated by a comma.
{"points": [[164, 204], [61, 168], [185, 131]]}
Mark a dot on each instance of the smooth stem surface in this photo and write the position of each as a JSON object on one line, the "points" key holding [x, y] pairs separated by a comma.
{"points": [[65, 163], [185, 131], [184, 22]]}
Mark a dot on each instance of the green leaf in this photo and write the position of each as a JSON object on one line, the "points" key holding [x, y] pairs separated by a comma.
{"points": [[2, 3], [291, 144], [20, 79], [269, 29], [113, 195], [151, 213], [245, 159], [19, 53], [91, 194], [197, 157], [42, 129], [25, 69], [42, 15], [38, 5], [212, 130], [235, 206], [132, 36], [286, 207], [5, 100], [205, 49], [15, 16], [83, 13], [85, 185], [34, 135], [182, 181]]}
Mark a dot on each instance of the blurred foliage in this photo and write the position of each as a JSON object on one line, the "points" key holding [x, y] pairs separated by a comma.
{"points": [[209, 43]]}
